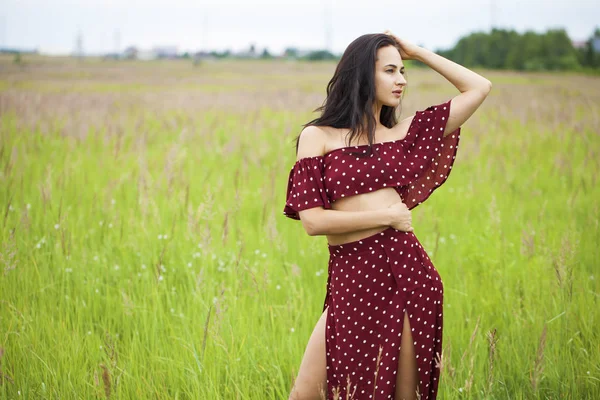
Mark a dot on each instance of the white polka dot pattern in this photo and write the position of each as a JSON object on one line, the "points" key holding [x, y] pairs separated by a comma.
{"points": [[371, 284], [374, 281], [415, 166], [430, 153], [305, 187]]}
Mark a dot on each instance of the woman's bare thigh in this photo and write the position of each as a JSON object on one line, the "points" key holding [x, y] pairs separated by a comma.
{"points": [[311, 382]]}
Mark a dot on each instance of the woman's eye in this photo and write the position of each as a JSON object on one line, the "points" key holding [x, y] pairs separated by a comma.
{"points": [[390, 70]]}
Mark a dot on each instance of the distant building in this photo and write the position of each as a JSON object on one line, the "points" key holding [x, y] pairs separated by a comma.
{"points": [[165, 52], [596, 44], [131, 53], [202, 55], [294, 52], [249, 53], [582, 44]]}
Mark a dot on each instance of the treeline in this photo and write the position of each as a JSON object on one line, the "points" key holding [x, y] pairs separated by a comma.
{"points": [[530, 51]]}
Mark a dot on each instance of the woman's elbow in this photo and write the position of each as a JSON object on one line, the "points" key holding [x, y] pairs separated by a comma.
{"points": [[311, 221], [309, 225], [487, 87]]}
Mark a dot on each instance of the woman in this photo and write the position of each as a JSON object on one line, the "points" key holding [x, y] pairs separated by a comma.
{"points": [[358, 173]]}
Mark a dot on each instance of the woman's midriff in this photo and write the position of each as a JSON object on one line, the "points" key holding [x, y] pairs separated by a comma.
{"points": [[376, 200]]}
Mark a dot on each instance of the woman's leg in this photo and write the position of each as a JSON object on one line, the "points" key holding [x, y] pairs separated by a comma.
{"points": [[311, 382], [407, 378]]}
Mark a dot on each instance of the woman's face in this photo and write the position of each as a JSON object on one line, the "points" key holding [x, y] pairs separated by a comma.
{"points": [[389, 77]]}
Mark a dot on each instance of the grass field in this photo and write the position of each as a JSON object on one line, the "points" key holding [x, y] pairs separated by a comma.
{"points": [[144, 254]]}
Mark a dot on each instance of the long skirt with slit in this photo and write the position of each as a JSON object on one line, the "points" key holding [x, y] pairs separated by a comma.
{"points": [[371, 284]]}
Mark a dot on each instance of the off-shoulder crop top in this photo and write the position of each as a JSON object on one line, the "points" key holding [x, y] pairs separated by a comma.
{"points": [[415, 166]]}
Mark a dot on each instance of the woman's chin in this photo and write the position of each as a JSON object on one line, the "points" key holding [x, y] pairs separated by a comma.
{"points": [[393, 103]]}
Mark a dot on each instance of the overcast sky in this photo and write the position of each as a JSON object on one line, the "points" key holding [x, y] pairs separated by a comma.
{"points": [[51, 26]]}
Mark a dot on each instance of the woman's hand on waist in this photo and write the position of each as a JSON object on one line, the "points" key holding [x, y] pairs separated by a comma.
{"points": [[400, 217]]}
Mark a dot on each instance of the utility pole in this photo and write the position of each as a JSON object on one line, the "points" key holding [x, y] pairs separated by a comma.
{"points": [[79, 45]]}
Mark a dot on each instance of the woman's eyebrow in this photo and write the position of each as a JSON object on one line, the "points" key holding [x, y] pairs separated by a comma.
{"points": [[393, 65]]}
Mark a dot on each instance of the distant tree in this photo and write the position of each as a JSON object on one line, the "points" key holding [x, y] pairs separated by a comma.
{"points": [[589, 55], [320, 55], [265, 54], [224, 54], [506, 49], [291, 52]]}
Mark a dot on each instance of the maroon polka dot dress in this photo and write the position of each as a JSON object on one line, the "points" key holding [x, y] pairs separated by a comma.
{"points": [[374, 281]]}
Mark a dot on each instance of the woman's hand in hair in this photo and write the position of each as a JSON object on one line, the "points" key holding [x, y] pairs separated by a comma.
{"points": [[408, 51], [401, 218]]}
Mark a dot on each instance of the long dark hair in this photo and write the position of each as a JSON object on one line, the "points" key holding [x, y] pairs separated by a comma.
{"points": [[351, 91]]}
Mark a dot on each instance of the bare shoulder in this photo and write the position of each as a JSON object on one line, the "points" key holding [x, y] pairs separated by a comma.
{"points": [[405, 122], [402, 127], [312, 142]]}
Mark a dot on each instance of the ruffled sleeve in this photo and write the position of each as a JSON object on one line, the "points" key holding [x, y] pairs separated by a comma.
{"points": [[305, 187], [429, 153]]}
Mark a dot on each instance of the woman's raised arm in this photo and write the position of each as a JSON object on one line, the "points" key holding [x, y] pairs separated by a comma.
{"points": [[473, 87]]}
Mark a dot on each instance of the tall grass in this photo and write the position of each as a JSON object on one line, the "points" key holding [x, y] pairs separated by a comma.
{"points": [[144, 253]]}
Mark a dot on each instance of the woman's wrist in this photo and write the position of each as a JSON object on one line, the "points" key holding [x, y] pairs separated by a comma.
{"points": [[386, 216], [420, 54]]}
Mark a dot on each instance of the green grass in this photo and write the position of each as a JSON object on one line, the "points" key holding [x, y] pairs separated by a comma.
{"points": [[144, 253]]}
